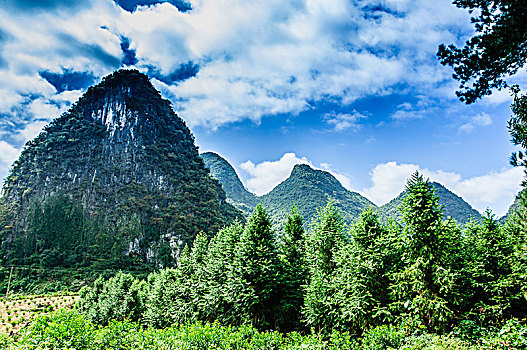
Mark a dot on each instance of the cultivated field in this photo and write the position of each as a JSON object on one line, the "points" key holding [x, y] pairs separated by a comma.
{"points": [[17, 312]]}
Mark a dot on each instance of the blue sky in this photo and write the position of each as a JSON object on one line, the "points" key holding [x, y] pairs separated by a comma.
{"points": [[352, 87]]}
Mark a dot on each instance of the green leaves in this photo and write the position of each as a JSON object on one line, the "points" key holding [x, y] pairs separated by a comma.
{"points": [[425, 273], [494, 53], [257, 271]]}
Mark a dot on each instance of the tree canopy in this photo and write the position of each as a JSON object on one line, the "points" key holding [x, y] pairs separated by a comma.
{"points": [[496, 51]]}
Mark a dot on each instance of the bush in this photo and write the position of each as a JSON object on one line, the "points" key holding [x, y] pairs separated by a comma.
{"points": [[121, 297], [5, 342], [61, 330], [512, 335], [383, 337], [118, 335], [435, 342], [470, 331]]}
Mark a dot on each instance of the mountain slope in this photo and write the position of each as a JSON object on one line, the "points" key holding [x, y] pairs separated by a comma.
{"points": [[453, 206], [310, 189], [513, 208], [116, 175], [236, 193]]}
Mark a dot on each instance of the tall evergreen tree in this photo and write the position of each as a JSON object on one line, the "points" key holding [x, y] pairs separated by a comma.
{"points": [[326, 237], [294, 275], [170, 295], [422, 286], [257, 272], [363, 274], [219, 274], [497, 284]]}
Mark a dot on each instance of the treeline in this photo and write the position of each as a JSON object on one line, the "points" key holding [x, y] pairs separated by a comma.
{"points": [[425, 272]]}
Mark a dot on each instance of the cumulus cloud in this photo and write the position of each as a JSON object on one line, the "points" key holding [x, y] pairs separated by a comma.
{"points": [[344, 121], [482, 119], [255, 58], [30, 131], [495, 190], [8, 154], [266, 175], [406, 111]]}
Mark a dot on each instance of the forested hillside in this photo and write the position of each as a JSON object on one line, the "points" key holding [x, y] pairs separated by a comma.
{"points": [[236, 193], [116, 177], [309, 189], [426, 280], [453, 206], [515, 206]]}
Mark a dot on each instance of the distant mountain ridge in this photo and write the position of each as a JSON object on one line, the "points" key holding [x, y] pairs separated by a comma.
{"points": [[513, 208], [236, 193], [453, 206], [309, 189]]}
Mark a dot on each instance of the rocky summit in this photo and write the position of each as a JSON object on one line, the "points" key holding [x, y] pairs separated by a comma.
{"points": [[118, 175]]}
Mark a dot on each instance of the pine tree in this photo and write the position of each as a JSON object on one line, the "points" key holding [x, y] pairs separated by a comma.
{"points": [[294, 275], [363, 274], [325, 239], [256, 279], [421, 287], [219, 275], [171, 295], [496, 281]]}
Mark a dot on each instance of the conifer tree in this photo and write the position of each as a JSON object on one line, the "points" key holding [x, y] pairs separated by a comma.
{"points": [[219, 275], [421, 287], [171, 295], [497, 284], [363, 274], [294, 275], [257, 272], [325, 239]]}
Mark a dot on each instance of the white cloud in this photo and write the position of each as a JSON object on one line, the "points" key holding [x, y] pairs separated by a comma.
{"points": [[406, 111], [495, 190], [8, 154], [256, 58], [344, 121], [30, 131], [266, 175], [482, 119]]}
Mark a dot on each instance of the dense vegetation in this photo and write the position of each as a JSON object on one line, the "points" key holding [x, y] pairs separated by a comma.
{"points": [[116, 178], [236, 193], [309, 189], [453, 206], [419, 283], [69, 330], [425, 275]]}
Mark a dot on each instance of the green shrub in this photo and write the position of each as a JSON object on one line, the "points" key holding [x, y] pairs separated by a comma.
{"points": [[383, 337], [436, 342], [470, 331], [5, 342], [118, 335], [61, 330], [121, 297], [512, 335]]}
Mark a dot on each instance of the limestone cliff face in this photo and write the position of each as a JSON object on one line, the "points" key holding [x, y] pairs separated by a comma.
{"points": [[128, 161]]}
